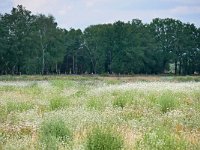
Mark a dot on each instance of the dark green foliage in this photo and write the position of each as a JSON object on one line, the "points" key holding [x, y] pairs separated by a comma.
{"points": [[104, 139], [33, 44]]}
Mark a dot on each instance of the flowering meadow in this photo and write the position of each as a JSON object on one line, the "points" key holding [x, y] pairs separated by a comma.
{"points": [[105, 113]]}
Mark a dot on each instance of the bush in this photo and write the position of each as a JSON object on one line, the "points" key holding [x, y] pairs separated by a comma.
{"points": [[58, 103], [167, 102], [104, 139], [53, 131]]}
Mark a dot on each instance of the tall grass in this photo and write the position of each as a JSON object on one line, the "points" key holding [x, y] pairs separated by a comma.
{"points": [[123, 99], [54, 131], [96, 103], [18, 106], [167, 102], [58, 103], [104, 139], [196, 95]]}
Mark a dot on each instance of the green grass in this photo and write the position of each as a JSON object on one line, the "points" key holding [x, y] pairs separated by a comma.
{"points": [[61, 84], [132, 114], [181, 78], [3, 114], [161, 139], [167, 102], [96, 103], [196, 100], [59, 103], [54, 131], [33, 89], [104, 139], [18, 106], [123, 99], [108, 79]]}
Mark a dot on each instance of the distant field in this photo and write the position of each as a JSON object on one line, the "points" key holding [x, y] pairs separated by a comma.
{"points": [[97, 112]]}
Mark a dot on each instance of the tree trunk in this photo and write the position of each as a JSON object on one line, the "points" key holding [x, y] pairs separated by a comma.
{"points": [[175, 67], [180, 67], [56, 68], [110, 62], [73, 65], [76, 65], [13, 70], [43, 63], [164, 65], [18, 69]]}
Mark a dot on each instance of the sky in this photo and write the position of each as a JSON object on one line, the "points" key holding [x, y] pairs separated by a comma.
{"points": [[82, 13]]}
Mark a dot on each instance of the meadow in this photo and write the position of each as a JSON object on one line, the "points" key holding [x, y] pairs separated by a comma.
{"points": [[100, 113]]}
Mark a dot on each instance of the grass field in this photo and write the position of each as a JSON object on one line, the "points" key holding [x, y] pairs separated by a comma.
{"points": [[105, 113]]}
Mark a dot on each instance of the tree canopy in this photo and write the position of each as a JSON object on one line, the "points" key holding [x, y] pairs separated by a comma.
{"points": [[34, 44]]}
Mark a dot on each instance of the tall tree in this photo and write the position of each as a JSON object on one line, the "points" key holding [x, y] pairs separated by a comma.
{"points": [[49, 41], [73, 42]]}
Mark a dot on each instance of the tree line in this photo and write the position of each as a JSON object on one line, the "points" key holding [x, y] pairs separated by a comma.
{"points": [[34, 44]]}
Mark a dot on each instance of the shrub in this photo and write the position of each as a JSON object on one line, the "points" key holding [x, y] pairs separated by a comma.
{"points": [[58, 103], [53, 131], [104, 139], [167, 102]]}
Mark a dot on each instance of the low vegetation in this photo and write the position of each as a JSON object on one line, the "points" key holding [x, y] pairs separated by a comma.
{"points": [[82, 112], [58, 103], [52, 132], [167, 102], [102, 138]]}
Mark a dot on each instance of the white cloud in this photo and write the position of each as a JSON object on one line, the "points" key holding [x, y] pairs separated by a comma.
{"points": [[82, 13], [184, 10], [45, 6], [35, 5]]}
